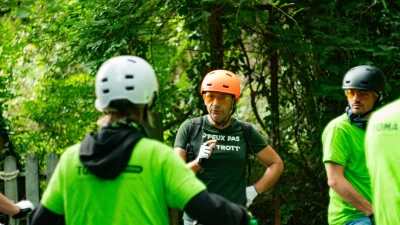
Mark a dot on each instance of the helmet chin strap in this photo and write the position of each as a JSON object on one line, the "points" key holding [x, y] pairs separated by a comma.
{"points": [[357, 120], [225, 121], [222, 123]]}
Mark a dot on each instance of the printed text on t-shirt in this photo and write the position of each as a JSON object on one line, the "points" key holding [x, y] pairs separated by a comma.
{"points": [[223, 138]]}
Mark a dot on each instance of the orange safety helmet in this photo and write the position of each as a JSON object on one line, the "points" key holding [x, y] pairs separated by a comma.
{"points": [[221, 81]]}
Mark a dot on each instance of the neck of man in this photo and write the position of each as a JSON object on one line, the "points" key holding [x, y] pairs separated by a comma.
{"points": [[221, 125]]}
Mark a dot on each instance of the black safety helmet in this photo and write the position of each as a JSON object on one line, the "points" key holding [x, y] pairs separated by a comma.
{"points": [[365, 78]]}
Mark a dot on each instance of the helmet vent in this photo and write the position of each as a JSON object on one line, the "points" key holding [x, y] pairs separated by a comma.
{"points": [[370, 70], [229, 74], [105, 91], [365, 82], [104, 79], [129, 88], [225, 86], [128, 76], [209, 85], [131, 60]]}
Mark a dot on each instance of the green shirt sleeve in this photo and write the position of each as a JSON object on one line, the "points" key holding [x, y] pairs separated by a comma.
{"points": [[335, 145], [180, 182], [258, 142], [182, 135]]}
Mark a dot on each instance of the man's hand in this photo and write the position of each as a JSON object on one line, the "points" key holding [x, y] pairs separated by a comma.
{"points": [[205, 152], [25, 208], [251, 194]]}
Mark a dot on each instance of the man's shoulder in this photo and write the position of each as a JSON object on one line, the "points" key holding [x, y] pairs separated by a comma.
{"points": [[71, 154], [384, 113], [148, 147], [187, 123], [241, 122], [340, 121], [150, 143], [192, 120], [72, 150], [246, 127]]}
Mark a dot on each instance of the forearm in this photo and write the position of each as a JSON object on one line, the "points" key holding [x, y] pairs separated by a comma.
{"points": [[204, 153], [350, 195], [194, 166], [8, 207], [269, 178]]}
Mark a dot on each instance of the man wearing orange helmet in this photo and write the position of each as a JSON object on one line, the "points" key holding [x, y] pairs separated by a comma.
{"points": [[221, 146]]}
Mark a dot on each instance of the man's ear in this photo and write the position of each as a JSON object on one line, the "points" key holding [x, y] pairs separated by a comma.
{"points": [[234, 100]]}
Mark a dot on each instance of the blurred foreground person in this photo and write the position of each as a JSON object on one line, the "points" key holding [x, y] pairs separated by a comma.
{"points": [[118, 175], [383, 155]]}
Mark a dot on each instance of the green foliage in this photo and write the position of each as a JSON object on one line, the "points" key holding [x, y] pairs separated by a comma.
{"points": [[58, 114]]}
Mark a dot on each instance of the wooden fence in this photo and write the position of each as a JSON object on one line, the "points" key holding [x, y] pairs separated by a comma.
{"points": [[32, 175]]}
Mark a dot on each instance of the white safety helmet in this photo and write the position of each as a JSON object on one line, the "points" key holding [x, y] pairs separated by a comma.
{"points": [[125, 77]]}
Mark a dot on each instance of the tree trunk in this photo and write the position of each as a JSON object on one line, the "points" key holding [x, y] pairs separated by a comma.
{"points": [[275, 117], [215, 30]]}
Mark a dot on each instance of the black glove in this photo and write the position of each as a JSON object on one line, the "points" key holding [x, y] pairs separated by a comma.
{"points": [[371, 217], [204, 154], [25, 208]]}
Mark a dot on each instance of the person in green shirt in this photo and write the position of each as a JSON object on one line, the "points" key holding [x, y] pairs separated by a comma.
{"points": [[383, 155], [343, 148], [17, 210], [223, 168], [119, 175]]}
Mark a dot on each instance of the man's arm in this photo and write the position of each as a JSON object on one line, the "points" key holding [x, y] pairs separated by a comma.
{"points": [[344, 189], [8, 207], [211, 209], [274, 166], [194, 165], [17, 211], [43, 216]]}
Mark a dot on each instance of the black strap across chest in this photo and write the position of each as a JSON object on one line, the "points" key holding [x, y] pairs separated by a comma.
{"points": [[194, 130]]}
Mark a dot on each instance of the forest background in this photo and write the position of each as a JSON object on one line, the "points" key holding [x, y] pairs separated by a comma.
{"points": [[290, 55]]}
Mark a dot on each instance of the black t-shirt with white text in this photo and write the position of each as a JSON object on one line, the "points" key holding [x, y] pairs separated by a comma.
{"points": [[225, 171]]}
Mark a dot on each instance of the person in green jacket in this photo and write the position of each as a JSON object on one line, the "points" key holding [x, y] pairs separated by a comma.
{"points": [[343, 148], [119, 175], [17, 210], [383, 154]]}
